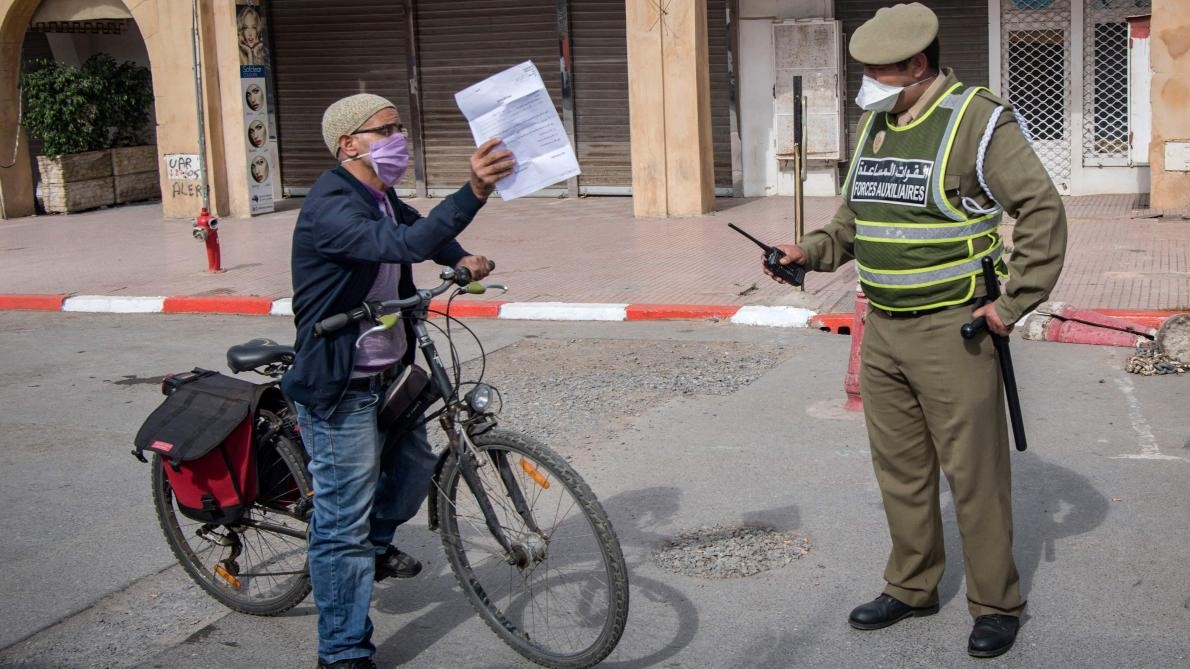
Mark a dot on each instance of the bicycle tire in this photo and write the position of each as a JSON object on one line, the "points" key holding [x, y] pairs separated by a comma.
{"points": [[248, 591], [514, 615]]}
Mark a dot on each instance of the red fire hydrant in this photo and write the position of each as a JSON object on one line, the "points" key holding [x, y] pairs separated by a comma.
{"points": [[206, 230]]}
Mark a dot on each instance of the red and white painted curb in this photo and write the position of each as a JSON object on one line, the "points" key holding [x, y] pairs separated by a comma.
{"points": [[538, 311], [769, 316]]}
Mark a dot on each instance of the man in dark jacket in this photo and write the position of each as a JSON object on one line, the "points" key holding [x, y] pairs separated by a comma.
{"points": [[355, 241]]}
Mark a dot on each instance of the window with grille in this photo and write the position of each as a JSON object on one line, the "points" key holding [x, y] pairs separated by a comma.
{"points": [[1035, 66], [1037, 59], [1105, 79]]}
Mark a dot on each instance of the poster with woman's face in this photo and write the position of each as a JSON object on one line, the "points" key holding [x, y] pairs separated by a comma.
{"points": [[254, 97], [257, 134], [260, 169], [250, 25]]}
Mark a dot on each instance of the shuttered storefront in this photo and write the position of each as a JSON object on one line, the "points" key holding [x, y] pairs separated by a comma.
{"points": [[323, 51], [462, 42], [599, 48], [717, 44], [963, 32]]}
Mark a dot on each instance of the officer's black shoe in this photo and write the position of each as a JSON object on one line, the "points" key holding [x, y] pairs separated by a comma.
{"points": [[352, 663], [993, 635], [884, 611], [396, 563]]}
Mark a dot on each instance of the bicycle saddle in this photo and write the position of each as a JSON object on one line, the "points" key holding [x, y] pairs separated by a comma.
{"points": [[256, 353]]}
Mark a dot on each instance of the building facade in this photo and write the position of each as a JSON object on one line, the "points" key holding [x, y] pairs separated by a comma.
{"points": [[672, 102]]}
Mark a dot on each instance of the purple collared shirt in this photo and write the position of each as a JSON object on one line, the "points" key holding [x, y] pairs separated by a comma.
{"points": [[381, 350]]}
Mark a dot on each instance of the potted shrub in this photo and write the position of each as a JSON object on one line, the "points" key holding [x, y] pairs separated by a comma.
{"points": [[86, 116]]}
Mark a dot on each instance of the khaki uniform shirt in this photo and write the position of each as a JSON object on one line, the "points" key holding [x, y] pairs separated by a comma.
{"points": [[1015, 176]]}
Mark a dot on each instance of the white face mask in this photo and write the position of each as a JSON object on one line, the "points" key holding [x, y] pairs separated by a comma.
{"points": [[879, 97]]}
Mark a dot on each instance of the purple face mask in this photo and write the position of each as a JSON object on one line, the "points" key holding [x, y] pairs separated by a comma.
{"points": [[390, 158]]}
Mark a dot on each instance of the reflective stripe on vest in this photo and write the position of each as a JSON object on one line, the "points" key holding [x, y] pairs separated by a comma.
{"points": [[913, 278], [930, 232], [959, 105]]}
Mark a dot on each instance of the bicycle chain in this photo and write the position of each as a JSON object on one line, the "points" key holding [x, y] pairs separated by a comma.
{"points": [[1150, 360]]}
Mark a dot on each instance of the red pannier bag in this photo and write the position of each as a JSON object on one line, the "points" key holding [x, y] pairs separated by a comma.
{"points": [[203, 433]]}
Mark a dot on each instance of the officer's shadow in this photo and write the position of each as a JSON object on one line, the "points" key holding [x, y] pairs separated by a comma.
{"points": [[666, 620], [1050, 503]]}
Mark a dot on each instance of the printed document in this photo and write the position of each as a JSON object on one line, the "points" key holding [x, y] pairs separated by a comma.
{"points": [[514, 106]]}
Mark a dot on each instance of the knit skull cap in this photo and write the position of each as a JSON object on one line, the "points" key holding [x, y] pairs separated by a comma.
{"points": [[348, 115], [894, 34]]}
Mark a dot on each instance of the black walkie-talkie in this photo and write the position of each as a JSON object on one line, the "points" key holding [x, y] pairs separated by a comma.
{"points": [[793, 273]]}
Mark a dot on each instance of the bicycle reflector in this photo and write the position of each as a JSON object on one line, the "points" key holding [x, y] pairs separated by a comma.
{"points": [[535, 473], [480, 398], [226, 575]]}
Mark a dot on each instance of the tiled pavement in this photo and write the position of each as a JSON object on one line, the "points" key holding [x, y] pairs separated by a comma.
{"points": [[1121, 255]]}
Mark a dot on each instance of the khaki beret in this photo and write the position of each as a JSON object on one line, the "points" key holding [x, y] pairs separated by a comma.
{"points": [[348, 115], [894, 34]]}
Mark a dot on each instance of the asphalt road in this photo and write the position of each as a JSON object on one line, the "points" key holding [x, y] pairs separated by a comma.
{"points": [[1102, 502]]}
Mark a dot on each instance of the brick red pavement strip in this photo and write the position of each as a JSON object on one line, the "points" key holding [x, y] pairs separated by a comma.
{"points": [[838, 323], [654, 312], [32, 302], [218, 304]]}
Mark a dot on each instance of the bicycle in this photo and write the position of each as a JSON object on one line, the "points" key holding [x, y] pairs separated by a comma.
{"points": [[528, 542]]}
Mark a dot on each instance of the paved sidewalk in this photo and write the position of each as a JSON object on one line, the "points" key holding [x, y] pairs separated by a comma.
{"points": [[589, 250]]}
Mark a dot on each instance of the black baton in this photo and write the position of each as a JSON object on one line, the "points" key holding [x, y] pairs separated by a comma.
{"points": [[1002, 353]]}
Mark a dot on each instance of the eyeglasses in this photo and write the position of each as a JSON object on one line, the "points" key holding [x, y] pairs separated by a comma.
{"points": [[385, 130]]}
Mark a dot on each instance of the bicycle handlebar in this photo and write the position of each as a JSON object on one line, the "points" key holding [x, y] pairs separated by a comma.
{"points": [[460, 276]]}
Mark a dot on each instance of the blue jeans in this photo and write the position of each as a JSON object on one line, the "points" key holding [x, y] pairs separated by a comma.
{"points": [[362, 492]]}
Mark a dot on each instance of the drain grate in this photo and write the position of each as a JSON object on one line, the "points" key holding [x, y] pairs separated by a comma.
{"points": [[730, 552]]}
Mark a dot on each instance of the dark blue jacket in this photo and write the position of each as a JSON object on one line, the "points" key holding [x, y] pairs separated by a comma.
{"points": [[340, 240]]}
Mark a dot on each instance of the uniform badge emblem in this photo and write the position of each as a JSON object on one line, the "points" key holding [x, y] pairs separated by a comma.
{"points": [[878, 142]]}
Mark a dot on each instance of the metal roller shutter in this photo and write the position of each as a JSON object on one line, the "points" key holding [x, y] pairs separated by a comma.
{"points": [[325, 51], [717, 43], [465, 41], [599, 44], [962, 27]]}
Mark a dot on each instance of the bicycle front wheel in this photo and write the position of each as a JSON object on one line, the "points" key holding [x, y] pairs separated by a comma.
{"points": [[258, 565], [558, 594]]}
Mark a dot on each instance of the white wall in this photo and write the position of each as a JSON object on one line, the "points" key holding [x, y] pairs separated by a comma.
{"points": [[762, 174]]}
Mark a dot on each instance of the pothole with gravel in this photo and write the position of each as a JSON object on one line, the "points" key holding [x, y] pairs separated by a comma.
{"points": [[730, 552]]}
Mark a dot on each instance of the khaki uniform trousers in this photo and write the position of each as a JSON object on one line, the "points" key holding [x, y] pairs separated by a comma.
{"points": [[933, 398]]}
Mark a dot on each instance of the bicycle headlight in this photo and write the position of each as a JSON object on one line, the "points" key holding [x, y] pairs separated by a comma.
{"points": [[480, 398]]}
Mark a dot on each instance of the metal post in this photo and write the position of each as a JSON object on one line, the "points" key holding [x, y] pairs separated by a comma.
{"points": [[202, 131], [799, 163], [414, 116], [206, 227], [566, 65]]}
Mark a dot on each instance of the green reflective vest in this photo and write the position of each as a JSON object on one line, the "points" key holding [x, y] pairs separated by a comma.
{"points": [[914, 248]]}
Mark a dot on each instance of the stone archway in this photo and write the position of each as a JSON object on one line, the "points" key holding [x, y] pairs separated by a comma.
{"points": [[16, 178]]}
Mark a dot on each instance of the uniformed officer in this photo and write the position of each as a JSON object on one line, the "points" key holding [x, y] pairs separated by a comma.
{"points": [[936, 164]]}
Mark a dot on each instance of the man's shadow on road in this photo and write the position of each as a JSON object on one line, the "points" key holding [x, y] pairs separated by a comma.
{"points": [[1050, 502], [661, 620]]}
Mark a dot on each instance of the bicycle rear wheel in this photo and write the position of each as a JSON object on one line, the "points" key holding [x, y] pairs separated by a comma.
{"points": [[257, 566], [564, 602]]}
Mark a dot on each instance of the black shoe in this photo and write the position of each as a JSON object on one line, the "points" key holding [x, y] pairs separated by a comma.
{"points": [[395, 563], [350, 663], [884, 611], [993, 635]]}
